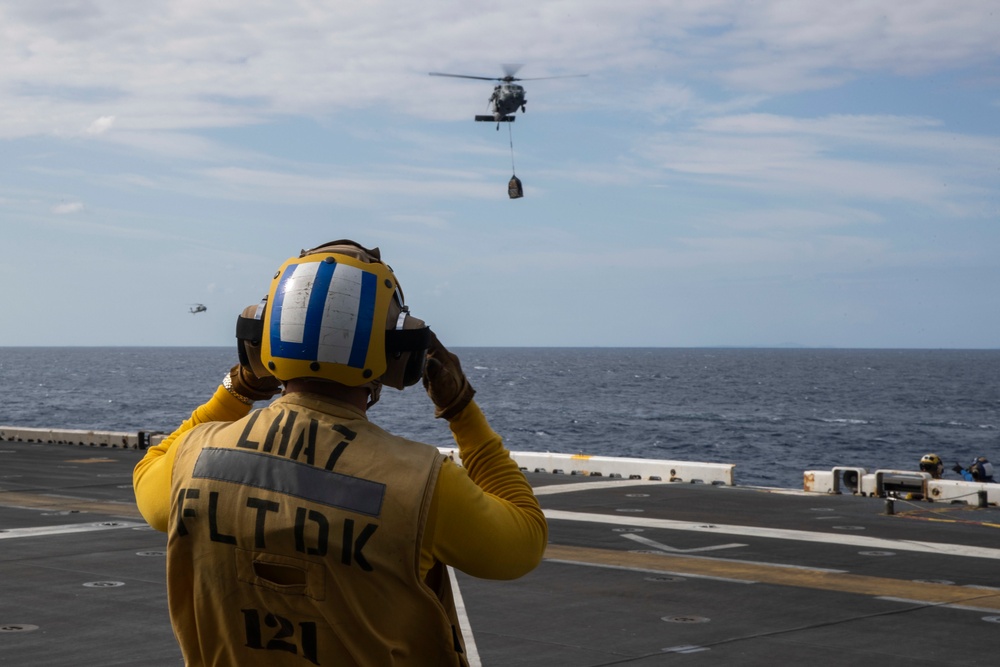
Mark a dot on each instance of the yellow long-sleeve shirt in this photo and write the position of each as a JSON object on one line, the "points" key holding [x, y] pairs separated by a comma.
{"points": [[484, 519]]}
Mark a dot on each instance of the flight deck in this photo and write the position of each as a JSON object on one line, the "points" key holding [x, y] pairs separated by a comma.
{"points": [[637, 572]]}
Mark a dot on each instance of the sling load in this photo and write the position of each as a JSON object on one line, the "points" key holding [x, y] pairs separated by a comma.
{"points": [[506, 100], [514, 188]]}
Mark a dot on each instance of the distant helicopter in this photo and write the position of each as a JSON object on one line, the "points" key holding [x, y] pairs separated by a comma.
{"points": [[508, 97], [198, 308]]}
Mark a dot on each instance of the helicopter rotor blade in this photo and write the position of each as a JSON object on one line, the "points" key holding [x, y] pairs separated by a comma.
{"points": [[564, 76], [510, 69], [465, 76]]}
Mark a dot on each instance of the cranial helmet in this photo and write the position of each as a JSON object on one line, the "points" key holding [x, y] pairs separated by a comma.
{"points": [[336, 313], [981, 469], [931, 463]]}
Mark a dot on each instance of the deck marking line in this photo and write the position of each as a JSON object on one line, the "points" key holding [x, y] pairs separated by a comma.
{"points": [[471, 652], [767, 573], [663, 547], [937, 548], [686, 649], [748, 562], [686, 575], [65, 529], [962, 607], [552, 489], [51, 501]]}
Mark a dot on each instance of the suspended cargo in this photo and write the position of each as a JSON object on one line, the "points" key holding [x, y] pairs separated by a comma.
{"points": [[514, 189]]}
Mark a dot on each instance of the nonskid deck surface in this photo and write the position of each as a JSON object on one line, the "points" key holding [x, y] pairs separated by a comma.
{"points": [[635, 574]]}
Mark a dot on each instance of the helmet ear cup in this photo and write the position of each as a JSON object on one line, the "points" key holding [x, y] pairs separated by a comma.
{"points": [[414, 368], [406, 351], [249, 332]]}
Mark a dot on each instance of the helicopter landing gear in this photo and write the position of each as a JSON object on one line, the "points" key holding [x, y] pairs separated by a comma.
{"points": [[491, 118]]}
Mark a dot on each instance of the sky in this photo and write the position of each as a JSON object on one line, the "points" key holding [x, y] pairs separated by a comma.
{"points": [[766, 173]]}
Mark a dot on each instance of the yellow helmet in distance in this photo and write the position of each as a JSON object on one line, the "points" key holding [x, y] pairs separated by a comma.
{"points": [[931, 463]]}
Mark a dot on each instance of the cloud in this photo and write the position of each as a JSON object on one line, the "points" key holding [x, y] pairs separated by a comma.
{"points": [[182, 145], [67, 208], [428, 221], [275, 186], [101, 125], [184, 64], [787, 46], [874, 158], [791, 220]]}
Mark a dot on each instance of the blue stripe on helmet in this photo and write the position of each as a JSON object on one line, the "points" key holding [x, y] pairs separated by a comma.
{"points": [[278, 349], [314, 312], [308, 348]]}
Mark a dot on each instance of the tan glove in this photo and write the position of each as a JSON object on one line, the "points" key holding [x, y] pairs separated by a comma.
{"points": [[445, 382], [244, 385]]}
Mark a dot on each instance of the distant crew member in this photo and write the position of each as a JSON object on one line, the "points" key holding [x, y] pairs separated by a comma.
{"points": [[302, 534], [980, 470], [931, 463]]}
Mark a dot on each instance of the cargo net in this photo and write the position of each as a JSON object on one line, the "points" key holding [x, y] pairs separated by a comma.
{"points": [[514, 189]]}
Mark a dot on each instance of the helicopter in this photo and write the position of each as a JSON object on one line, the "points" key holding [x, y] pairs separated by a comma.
{"points": [[508, 96], [197, 308]]}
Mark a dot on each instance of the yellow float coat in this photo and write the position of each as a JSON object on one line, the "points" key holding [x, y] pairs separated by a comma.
{"points": [[319, 538]]}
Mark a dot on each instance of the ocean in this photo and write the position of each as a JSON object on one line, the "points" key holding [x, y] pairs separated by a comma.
{"points": [[772, 412]]}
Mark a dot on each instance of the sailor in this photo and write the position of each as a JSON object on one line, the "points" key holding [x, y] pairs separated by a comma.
{"points": [[980, 470], [300, 533], [931, 463]]}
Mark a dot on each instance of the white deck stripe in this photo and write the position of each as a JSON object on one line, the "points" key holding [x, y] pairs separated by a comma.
{"points": [[949, 605], [553, 489], [42, 531], [471, 652], [699, 556], [937, 548], [626, 568]]}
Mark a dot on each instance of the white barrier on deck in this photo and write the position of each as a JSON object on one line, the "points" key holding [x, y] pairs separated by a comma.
{"points": [[619, 467], [899, 483], [67, 436], [569, 464]]}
